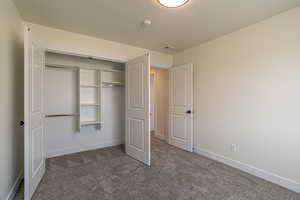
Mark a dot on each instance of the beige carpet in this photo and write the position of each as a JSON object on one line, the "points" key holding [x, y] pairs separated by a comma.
{"points": [[109, 174]]}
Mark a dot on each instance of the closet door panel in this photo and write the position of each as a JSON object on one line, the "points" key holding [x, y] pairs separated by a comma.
{"points": [[137, 141]]}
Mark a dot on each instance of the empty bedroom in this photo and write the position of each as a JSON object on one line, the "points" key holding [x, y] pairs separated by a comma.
{"points": [[150, 100]]}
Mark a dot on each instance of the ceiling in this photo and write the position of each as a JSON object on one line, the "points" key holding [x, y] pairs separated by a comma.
{"points": [[121, 20]]}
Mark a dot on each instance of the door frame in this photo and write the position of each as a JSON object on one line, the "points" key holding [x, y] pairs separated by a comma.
{"points": [[26, 119], [154, 101]]}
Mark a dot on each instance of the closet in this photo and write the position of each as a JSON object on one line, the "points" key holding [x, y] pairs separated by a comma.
{"points": [[84, 102], [75, 103]]}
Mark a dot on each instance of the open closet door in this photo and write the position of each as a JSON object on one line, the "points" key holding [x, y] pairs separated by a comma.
{"points": [[138, 109], [34, 166]]}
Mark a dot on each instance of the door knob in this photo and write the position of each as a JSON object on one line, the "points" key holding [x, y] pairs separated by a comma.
{"points": [[189, 112], [21, 123]]}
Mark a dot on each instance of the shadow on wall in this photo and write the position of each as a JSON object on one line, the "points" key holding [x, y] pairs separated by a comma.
{"points": [[18, 101]]}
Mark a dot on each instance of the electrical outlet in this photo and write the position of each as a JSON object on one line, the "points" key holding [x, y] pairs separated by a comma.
{"points": [[233, 148]]}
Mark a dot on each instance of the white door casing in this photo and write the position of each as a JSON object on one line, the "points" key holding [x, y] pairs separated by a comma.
{"points": [[152, 104], [181, 107], [34, 158], [137, 140]]}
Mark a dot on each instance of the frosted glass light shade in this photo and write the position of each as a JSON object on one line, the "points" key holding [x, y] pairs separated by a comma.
{"points": [[172, 3]]}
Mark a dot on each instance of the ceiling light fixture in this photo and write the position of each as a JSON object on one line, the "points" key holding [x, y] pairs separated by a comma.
{"points": [[172, 3]]}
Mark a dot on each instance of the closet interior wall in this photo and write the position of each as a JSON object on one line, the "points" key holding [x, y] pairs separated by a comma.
{"points": [[84, 104]]}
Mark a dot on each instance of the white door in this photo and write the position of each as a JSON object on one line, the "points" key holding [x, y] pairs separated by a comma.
{"points": [[137, 140], [181, 107], [34, 165]]}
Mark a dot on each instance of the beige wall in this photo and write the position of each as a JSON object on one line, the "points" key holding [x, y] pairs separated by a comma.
{"points": [[80, 44], [161, 87], [11, 96], [247, 92]]}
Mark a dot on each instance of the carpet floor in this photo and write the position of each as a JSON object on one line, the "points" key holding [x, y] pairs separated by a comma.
{"points": [[109, 174]]}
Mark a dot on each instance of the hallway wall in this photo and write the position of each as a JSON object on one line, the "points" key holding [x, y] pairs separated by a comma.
{"points": [[161, 87], [11, 98]]}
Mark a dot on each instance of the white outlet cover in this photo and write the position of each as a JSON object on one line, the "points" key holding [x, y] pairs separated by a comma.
{"points": [[233, 148]]}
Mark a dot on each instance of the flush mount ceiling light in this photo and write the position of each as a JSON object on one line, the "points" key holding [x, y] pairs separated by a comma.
{"points": [[172, 3]]}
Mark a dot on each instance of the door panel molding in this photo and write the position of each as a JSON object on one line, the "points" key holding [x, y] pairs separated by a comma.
{"points": [[137, 140], [34, 156], [181, 107]]}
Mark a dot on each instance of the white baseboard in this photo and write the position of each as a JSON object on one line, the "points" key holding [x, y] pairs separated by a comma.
{"points": [[15, 186], [70, 150], [274, 178]]}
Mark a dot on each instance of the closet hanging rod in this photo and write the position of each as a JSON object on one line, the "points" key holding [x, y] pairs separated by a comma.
{"points": [[61, 115], [112, 86], [62, 67]]}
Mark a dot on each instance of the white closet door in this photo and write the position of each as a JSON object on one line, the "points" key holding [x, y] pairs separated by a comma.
{"points": [[181, 107], [34, 113], [138, 109]]}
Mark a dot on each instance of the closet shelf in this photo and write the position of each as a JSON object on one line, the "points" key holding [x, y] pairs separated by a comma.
{"points": [[113, 70], [109, 83], [83, 67], [90, 104], [61, 115], [90, 86], [89, 122]]}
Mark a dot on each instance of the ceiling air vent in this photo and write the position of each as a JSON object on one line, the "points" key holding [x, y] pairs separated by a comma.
{"points": [[169, 47]]}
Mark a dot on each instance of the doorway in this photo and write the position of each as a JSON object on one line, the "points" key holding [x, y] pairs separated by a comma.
{"points": [[159, 96], [171, 105]]}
